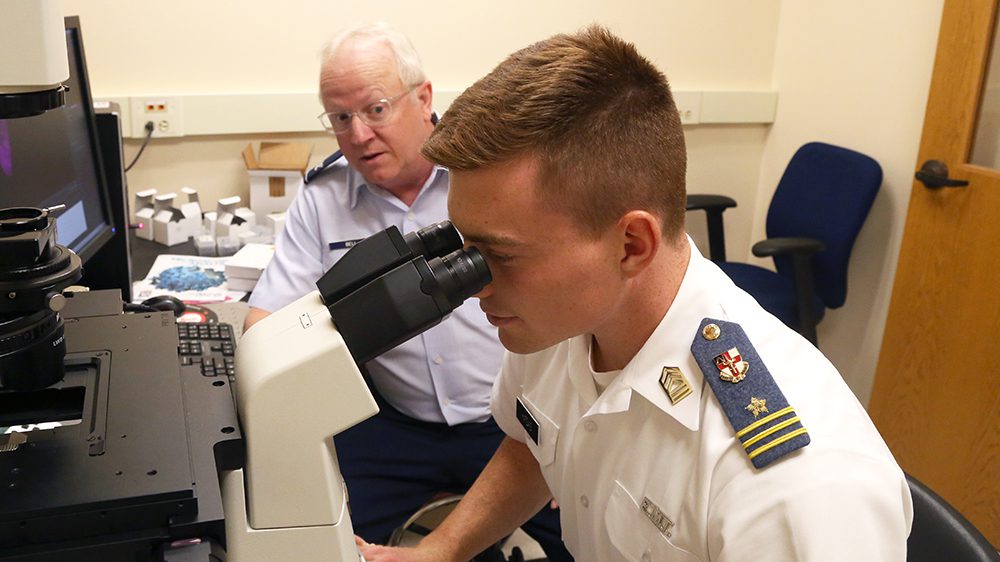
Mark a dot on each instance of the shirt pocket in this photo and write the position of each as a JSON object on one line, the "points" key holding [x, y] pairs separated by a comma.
{"points": [[548, 435], [634, 536]]}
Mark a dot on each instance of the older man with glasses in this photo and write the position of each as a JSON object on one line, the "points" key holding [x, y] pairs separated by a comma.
{"points": [[434, 432]]}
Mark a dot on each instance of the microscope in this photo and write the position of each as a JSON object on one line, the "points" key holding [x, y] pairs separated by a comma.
{"points": [[299, 384], [112, 449], [108, 450]]}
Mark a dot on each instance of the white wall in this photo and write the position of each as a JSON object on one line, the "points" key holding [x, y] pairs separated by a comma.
{"points": [[138, 47], [855, 73], [848, 72]]}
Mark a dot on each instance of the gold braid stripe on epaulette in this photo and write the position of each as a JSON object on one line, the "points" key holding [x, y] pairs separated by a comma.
{"points": [[778, 441], [762, 421], [763, 434]]}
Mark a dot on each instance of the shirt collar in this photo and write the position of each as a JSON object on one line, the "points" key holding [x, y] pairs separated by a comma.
{"points": [[356, 182], [668, 346]]}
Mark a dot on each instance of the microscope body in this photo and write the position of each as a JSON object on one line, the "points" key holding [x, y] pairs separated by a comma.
{"points": [[298, 386]]}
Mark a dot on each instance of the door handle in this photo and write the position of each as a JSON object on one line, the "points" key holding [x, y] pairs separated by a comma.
{"points": [[934, 175]]}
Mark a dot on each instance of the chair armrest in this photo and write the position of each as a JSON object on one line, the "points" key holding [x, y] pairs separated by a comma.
{"points": [[787, 246], [706, 202], [801, 251], [714, 206]]}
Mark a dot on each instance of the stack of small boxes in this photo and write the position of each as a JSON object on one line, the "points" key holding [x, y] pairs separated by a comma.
{"points": [[244, 269], [164, 222]]}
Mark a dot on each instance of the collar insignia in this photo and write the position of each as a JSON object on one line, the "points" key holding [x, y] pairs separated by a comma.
{"points": [[674, 384]]}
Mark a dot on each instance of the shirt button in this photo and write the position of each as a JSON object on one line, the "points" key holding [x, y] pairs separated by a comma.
{"points": [[646, 556], [438, 359], [590, 426], [584, 501], [411, 217], [445, 402]]}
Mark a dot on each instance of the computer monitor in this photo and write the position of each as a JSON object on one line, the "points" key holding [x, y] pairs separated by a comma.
{"points": [[54, 159]]}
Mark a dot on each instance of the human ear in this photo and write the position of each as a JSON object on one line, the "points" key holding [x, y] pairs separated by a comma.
{"points": [[641, 239], [425, 94]]}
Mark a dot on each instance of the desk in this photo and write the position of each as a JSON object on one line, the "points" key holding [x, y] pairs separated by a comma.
{"points": [[144, 253]]}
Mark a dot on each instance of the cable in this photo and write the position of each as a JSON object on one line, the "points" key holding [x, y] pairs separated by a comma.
{"points": [[135, 307], [149, 135]]}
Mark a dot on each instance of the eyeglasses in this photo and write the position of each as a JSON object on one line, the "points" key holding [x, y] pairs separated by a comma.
{"points": [[374, 114]]}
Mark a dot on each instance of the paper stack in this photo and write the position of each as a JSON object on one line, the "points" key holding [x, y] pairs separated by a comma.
{"points": [[244, 268]]}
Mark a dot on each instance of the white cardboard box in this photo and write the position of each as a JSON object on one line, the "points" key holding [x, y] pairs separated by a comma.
{"points": [[144, 212], [192, 212], [249, 262], [276, 223], [240, 284], [276, 175], [232, 219], [168, 228]]}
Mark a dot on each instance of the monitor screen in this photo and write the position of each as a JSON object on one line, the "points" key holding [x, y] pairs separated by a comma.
{"points": [[55, 159]]}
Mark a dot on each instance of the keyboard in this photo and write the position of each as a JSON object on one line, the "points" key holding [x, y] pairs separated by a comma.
{"points": [[210, 346]]}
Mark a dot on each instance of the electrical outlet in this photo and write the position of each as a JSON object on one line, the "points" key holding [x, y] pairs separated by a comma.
{"points": [[166, 113]]}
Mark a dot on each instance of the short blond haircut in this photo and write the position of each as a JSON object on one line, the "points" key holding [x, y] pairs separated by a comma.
{"points": [[599, 117]]}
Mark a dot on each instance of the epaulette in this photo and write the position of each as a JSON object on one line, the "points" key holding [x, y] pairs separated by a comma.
{"points": [[765, 424], [330, 160]]}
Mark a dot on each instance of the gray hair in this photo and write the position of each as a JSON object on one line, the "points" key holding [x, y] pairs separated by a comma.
{"points": [[411, 72]]}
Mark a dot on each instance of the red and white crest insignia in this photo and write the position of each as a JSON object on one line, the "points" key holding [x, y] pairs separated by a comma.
{"points": [[731, 365]]}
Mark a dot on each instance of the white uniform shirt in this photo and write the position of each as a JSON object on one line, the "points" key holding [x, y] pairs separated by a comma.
{"points": [[442, 375], [842, 497]]}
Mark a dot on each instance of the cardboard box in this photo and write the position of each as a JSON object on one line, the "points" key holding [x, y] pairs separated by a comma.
{"points": [[276, 173], [231, 219], [275, 223], [173, 225], [192, 209], [168, 221], [245, 267], [192, 213], [250, 261], [209, 218], [240, 284], [144, 212]]}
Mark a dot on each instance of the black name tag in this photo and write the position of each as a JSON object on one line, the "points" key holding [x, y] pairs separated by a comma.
{"points": [[344, 244], [527, 420]]}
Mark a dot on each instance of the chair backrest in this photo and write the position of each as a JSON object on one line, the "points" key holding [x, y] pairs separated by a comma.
{"points": [[941, 533], [825, 193]]}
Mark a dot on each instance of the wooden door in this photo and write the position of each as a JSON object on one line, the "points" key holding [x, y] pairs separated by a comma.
{"points": [[936, 397]]}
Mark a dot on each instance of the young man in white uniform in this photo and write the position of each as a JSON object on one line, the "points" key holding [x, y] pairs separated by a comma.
{"points": [[671, 417], [434, 432]]}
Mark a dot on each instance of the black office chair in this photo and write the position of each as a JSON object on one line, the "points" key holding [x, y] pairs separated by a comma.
{"points": [[940, 533], [815, 215]]}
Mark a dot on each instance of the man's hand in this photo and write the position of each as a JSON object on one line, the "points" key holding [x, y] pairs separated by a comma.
{"points": [[253, 316], [379, 553], [507, 493]]}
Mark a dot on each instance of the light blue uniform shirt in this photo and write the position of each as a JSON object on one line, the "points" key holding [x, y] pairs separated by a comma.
{"points": [[443, 375]]}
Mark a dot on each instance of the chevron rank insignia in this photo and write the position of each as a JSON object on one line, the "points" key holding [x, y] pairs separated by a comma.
{"points": [[766, 426], [674, 384]]}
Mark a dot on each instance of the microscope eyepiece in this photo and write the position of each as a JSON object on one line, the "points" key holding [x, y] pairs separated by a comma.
{"points": [[380, 253], [434, 241], [460, 274], [376, 312]]}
